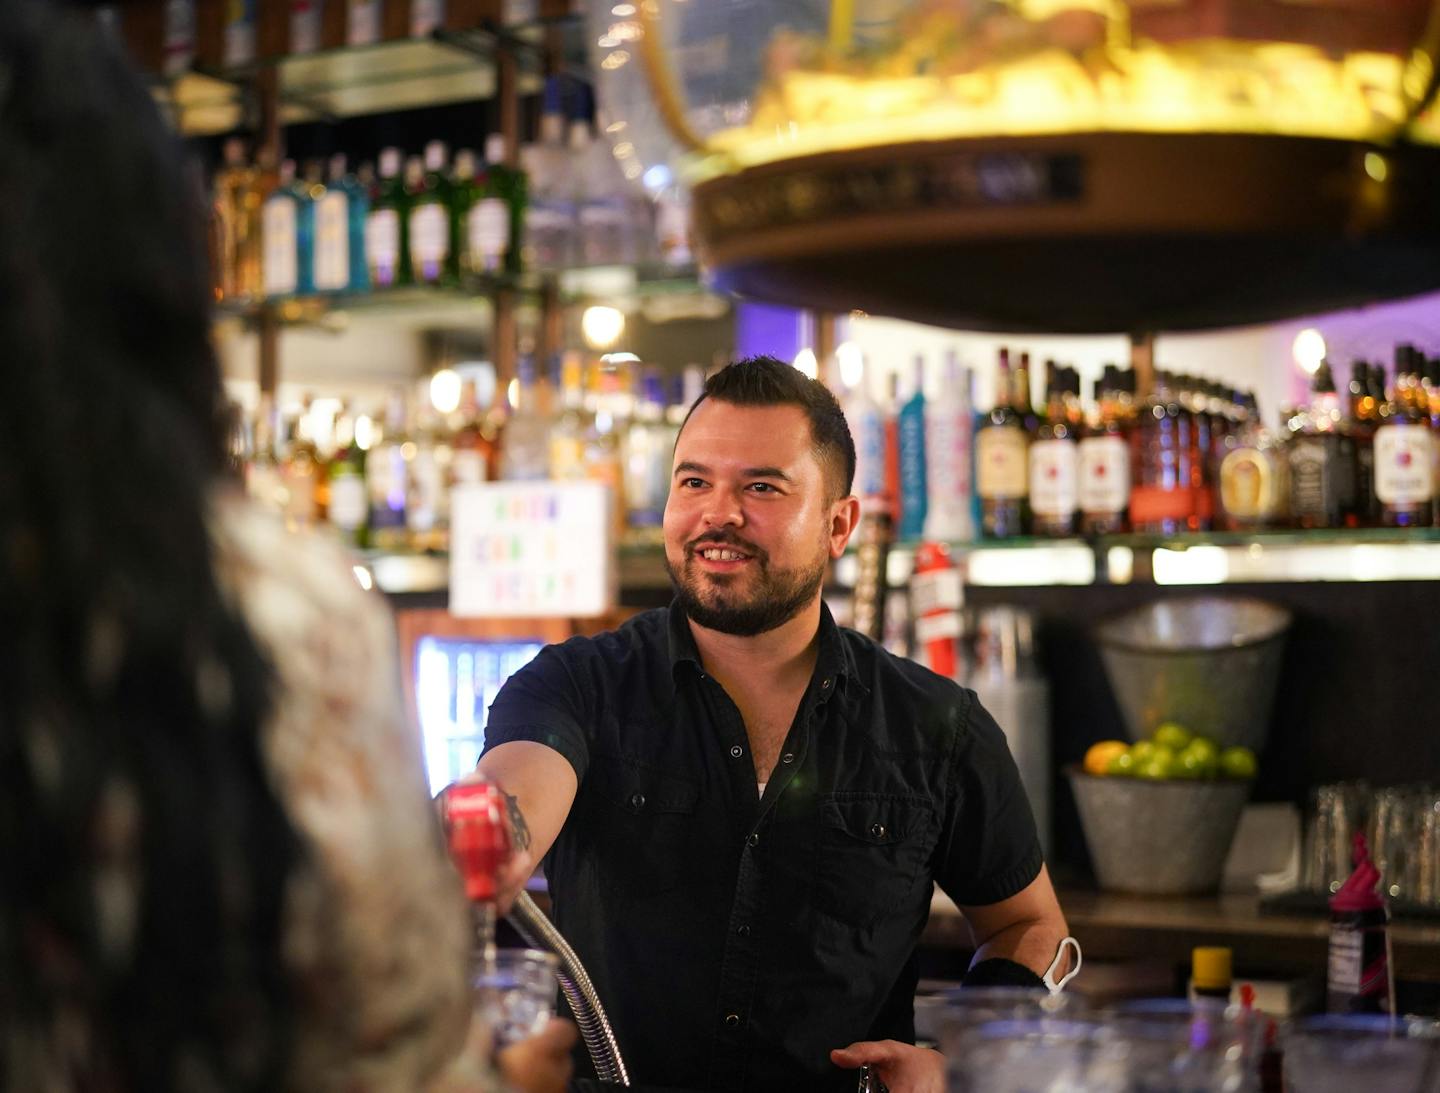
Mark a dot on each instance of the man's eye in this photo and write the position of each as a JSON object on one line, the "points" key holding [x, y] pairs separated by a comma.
{"points": [[692, 483], [762, 487]]}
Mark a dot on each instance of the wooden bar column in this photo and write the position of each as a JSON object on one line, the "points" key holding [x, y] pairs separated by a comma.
{"points": [[269, 151], [505, 343]]}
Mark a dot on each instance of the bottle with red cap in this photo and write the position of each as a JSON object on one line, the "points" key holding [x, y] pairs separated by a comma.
{"points": [[1358, 979]]}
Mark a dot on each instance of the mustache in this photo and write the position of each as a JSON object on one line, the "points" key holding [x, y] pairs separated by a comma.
{"points": [[723, 539]]}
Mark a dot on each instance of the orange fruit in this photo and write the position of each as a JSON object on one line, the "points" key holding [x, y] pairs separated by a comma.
{"points": [[1099, 756]]}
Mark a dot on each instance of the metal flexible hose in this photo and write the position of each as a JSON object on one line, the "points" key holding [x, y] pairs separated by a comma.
{"points": [[539, 931]]}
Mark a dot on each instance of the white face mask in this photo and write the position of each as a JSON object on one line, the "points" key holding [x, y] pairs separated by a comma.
{"points": [[1049, 977]]}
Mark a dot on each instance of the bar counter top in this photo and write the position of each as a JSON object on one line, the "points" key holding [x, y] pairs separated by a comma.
{"points": [[1110, 926]]}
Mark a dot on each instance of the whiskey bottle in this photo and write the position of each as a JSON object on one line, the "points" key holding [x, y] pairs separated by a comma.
{"points": [[1162, 501], [1001, 467], [1253, 472], [1054, 466], [1321, 460], [1104, 469], [1404, 452]]}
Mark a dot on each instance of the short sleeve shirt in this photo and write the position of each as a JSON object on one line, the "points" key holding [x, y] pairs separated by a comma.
{"points": [[736, 938]]}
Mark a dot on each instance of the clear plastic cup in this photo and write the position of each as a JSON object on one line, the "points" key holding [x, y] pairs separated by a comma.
{"points": [[1040, 1055], [515, 993], [1345, 1053]]}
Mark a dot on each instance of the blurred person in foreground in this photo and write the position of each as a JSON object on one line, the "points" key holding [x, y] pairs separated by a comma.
{"points": [[219, 869]]}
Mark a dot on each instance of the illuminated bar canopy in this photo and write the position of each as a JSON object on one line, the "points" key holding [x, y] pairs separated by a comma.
{"points": [[1059, 165]]}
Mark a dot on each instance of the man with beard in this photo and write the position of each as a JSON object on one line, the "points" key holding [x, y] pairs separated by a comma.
{"points": [[742, 807]]}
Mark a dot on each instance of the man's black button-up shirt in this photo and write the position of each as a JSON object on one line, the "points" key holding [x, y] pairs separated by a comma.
{"points": [[735, 939]]}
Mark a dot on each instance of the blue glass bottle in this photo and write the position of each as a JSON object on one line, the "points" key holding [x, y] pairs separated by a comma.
{"points": [[914, 493]]}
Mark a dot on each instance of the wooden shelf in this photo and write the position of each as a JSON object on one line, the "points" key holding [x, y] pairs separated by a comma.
{"points": [[1117, 927]]}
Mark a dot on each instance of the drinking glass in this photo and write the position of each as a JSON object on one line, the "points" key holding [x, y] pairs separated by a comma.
{"points": [[515, 993], [1345, 1053]]}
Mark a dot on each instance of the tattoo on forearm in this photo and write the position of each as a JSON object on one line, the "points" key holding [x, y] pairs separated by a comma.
{"points": [[519, 829]]}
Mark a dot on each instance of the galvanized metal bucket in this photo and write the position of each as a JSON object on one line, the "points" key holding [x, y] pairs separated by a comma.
{"points": [[1210, 663], [1158, 838]]}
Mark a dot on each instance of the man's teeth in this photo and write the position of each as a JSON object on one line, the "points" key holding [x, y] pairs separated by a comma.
{"points": [[718, 555]]}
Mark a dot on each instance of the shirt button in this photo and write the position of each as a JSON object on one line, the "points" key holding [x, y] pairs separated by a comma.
{"points": [[743, 931], [754, 839], [788, 757], [877, 831], [732, 1020], [736, 752], [825, 684], [637, 802]]}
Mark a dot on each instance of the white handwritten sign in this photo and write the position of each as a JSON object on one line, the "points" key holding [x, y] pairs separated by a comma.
{"points": [[533, 549]]}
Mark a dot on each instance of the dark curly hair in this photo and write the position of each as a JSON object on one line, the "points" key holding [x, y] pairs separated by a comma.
{"points": [[143, 852], [767, 381]]}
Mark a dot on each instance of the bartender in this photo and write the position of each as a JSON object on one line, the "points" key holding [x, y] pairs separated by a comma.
{"points": [[742, 807]]}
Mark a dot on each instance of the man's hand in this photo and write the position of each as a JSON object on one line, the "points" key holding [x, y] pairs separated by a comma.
{"points": [[540, 1063], [904, 1068]]}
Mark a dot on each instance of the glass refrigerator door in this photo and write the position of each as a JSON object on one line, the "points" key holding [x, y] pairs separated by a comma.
{"points": [[456, 679]]}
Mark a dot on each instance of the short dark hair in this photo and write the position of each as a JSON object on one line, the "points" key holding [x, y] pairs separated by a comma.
{"points": [[767, 381]]}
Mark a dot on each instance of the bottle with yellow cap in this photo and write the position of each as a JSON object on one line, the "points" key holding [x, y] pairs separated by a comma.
{"points": [[1210, 975]]}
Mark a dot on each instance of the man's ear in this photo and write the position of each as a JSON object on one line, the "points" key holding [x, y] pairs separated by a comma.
{"points": [[844, 517]]}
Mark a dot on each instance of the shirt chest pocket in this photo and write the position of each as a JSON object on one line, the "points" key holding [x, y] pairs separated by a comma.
{"points": [[642, 821], [872, 849]]}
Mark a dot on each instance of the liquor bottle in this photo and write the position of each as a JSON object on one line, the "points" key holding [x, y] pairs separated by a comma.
{"points": [[525, 452], [1254, 474], [867, 426], [357, 213], [432, 243], [1029, 419], [602, 442], [362, 22], [893, 497], [648, 444], [1404, 452], [305, 25], [1054, 465], [567, 436], [239, 32], [1321, 471], [914, 487], [385, 479], [949, 438], [288, 231], [1432, 391], [426, 17], [482, 223], [330, 271], [474, 453], [239, 196], [264, 482], [299, 470], [602, 200], [348, 511], [1162, 499], [1104, 462], [428, 461], [387, 250], [550, 225], [508, 185], [1364, 417], [1001, 467], [1189, 395]]}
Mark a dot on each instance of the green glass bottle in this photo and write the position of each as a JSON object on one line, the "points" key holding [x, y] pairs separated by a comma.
{"points": [[431, 223], [387, 250]]}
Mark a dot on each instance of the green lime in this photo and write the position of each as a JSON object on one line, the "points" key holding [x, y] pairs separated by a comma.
{"points": [[1122, 764], [1238, 762], [1172, 735], [1205, 747], [1153, 769], [1195, 765], [1143, 750]]}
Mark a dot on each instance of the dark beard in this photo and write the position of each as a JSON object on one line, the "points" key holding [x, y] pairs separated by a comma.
{"points": [[778, 598]]}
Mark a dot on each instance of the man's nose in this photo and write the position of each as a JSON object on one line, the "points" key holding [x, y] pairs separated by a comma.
{"points": [[723, 508]]}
